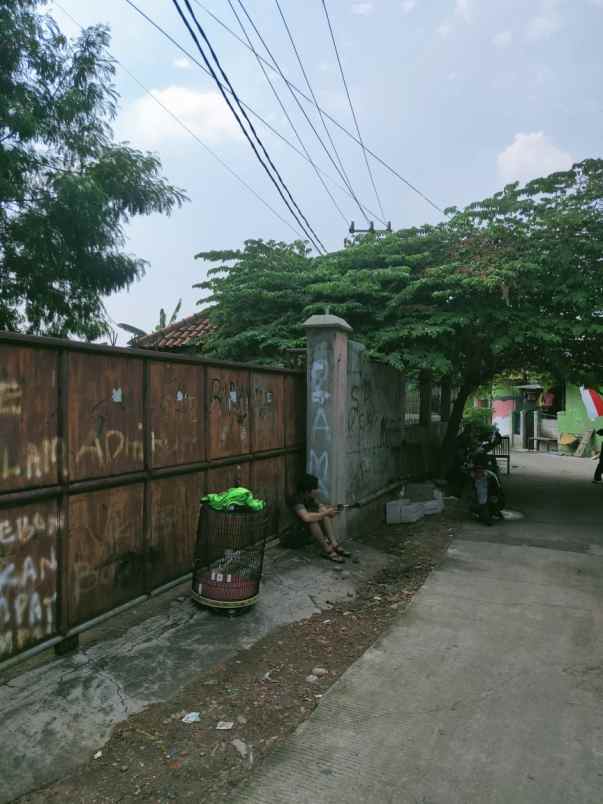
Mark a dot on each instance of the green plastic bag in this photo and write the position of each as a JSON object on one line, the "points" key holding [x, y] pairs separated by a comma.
{"points": [[238, 497]]}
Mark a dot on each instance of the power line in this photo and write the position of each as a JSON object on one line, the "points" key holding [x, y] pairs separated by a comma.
{"points": [[301, 108], [333, 120], [189, 131], [344, 175], [284, 109], [252, 111], [298, 102], [347, 91], [317, 243]]}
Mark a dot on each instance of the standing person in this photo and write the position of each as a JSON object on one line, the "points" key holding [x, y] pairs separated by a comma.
{"points": [[599, 469], [317, 518]]}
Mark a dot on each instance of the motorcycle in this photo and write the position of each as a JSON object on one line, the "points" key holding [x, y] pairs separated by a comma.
{"points": [[487, 494]]}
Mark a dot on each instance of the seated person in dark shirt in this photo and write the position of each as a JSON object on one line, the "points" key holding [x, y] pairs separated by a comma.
{"points": [[317, 518]]}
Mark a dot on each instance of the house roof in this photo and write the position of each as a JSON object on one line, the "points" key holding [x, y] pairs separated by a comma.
{"points": [[186, 332]]}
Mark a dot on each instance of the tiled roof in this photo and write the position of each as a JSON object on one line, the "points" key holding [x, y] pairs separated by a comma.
{"points": [[183, 333]]}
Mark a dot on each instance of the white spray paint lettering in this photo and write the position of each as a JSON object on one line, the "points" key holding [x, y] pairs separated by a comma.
{"points": [[321, 429]]}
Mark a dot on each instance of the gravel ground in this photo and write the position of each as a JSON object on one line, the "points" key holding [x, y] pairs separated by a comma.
{"points": [[260, 696]]}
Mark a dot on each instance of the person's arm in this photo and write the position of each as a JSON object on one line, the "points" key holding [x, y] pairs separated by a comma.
{"points": [[309, 516]]}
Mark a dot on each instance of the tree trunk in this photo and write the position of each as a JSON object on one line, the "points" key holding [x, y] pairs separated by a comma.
{"points": [[456, 416]]}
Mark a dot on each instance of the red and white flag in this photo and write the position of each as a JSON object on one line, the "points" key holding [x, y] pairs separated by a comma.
{"points": [[593, 402]]}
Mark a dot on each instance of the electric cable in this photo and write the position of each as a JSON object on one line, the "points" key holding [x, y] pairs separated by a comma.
{"points": [[333, 120], [300, 221], [344, 174], [285, 112], [347, 91], [252, 111], [186, 128]]}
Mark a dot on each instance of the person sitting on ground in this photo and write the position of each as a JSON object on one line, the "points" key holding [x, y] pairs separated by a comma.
{"points": [[317, 518]]}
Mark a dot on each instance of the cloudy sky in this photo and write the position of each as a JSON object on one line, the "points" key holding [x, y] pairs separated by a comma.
{"points": [[459, 96]]}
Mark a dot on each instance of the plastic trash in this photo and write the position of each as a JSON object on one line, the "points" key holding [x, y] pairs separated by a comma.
{"points": [[225, 725], [192, 717]]}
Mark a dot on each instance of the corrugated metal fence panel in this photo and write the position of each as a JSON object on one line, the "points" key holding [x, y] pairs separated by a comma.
{"points": [[268, 425], [105, 552], [28, 576], [228, 412], [175, 516], [223, 477], [268, 483], [104, 455], [176, 414], [295, 410], [28, 417], [105, 410]]}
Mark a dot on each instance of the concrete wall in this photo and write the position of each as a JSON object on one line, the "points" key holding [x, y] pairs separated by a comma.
{"points": [[356, 444], [373, 424], [574, 419]]}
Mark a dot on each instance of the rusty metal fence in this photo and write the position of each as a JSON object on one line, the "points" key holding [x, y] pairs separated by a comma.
{"points": [[104, 454]]}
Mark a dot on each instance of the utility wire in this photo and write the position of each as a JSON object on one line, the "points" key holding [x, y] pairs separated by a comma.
{"points": [[301, 107], [303, 221], [344, 174], [189, 131], [284, 109], [333, 120], [347, 92], [259, 117]]}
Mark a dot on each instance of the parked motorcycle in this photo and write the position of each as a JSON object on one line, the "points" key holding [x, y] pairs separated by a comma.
{"points": [[487, 493]]}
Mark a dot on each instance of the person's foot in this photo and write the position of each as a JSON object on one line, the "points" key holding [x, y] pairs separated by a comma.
{"points": [[596, 481], [340, 551], [331, 555]]}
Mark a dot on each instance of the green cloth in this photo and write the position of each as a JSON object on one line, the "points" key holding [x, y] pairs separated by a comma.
{"points": [[238, 497]]}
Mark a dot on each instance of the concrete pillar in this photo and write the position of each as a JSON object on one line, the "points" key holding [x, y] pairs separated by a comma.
{"points": [[327, 344]]}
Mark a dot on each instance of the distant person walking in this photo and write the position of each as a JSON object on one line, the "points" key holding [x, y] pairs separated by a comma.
{"points": [[599, 469]]}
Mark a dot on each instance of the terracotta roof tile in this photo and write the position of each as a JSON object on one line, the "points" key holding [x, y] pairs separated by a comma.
{"points": [[176, 336]]}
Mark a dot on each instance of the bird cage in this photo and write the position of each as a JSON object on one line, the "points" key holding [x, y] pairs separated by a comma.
{"points": [[229, 557]]}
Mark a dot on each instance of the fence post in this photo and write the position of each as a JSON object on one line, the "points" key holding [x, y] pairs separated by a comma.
{"points": [[327, 345]]}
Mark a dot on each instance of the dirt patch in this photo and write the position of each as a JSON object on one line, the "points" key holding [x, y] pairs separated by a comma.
{"points": [[262, 694]]}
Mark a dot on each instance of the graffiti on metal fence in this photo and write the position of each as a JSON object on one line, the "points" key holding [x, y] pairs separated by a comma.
{"points": [[28, 566]]}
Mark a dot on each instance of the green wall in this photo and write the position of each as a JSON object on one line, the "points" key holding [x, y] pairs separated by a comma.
{"points": [[574, 418]]}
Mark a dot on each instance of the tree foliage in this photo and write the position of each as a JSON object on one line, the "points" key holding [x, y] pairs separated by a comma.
{"points": [[511, 283], [66, 189], [258, 295]]}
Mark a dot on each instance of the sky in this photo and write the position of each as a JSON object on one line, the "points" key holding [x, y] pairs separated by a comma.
{"points": [[459, 96]]}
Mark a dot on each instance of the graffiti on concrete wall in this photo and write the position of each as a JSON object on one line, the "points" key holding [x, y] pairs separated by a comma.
{"points": [[372, 425], [319, 417]]}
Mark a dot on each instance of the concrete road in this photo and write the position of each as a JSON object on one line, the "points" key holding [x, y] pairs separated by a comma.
{"points": [[490, 689]]}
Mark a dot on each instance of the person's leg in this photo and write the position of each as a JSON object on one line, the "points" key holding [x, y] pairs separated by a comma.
{"points": [[322, 540], [328, 529], [329, 532], [599, 469]]}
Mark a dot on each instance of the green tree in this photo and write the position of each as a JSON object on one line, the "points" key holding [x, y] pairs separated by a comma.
{"points": [[512, 283], [66, 189], [258, 296]]}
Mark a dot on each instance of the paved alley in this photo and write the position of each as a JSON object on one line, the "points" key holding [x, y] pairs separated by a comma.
{"points": [[490, 689]]}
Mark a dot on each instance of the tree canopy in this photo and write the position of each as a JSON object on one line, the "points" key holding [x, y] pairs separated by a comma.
{"points": [[511, 283], [66, 189]]}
